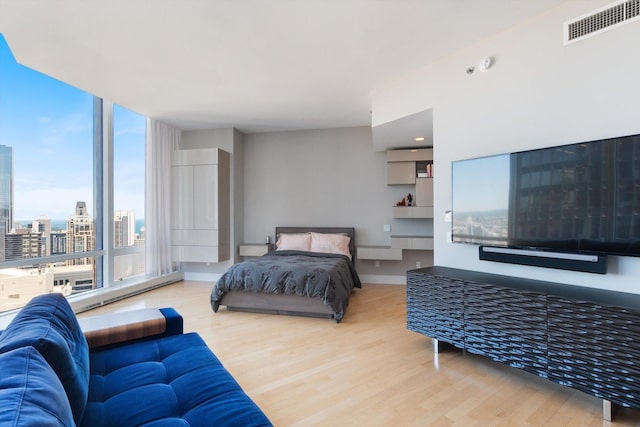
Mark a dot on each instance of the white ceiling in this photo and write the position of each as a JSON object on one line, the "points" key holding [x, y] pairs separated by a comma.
{"points": [[256, 65]]}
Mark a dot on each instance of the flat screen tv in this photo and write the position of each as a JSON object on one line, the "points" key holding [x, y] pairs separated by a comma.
{"points": [[578, 198]]}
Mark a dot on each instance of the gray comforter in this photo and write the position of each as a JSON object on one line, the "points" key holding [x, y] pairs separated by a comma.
{"points": [[329, 277]]}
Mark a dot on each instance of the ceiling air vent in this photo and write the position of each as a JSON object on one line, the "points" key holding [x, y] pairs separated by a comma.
{"points": [[604, 19]]}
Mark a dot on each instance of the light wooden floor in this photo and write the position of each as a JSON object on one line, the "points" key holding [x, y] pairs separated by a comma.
{"points": [[368, 370]]}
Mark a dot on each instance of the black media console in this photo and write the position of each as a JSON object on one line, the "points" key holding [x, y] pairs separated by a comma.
{"points": [[583, 338]]}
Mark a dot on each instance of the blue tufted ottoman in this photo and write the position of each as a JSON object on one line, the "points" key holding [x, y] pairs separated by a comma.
{"points": [[172, 381]]}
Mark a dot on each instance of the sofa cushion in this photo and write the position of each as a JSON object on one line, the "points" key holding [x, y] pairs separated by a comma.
{"points": [[30, 392], [48, 324], [174, 380]]}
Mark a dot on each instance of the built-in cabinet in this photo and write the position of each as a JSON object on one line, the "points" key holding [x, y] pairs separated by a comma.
{"points": [[583, 338], [399, 173], [200, 219], [413, 170]]}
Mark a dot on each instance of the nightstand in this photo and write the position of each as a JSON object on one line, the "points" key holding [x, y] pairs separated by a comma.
{"points": [[255, 249]]}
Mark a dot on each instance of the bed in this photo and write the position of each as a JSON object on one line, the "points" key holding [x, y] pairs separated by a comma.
{"points": [[298, 278]]}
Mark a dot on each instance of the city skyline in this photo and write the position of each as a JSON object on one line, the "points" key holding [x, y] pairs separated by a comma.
{"points": [[49, 126]]}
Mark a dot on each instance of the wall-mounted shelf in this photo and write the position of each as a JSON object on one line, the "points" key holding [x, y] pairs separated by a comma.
{"points": [[382, 253], [411, 167], [254, 249], [398, 245], [413, 212], [410, 155], [412, 242], [404, 166]]}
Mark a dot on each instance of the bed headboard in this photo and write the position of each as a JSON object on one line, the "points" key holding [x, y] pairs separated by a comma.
{"points": [[349, 231]]}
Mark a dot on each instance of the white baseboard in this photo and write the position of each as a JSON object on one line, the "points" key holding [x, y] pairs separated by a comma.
{"points": [[202, 277], [382, 279], [98, 297]]}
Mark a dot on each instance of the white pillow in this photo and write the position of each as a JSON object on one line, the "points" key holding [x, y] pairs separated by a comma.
{"points": [[330, 243], [294, 242]]}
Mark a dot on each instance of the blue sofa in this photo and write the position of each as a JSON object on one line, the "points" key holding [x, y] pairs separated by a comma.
{"points": [[50, 376]]}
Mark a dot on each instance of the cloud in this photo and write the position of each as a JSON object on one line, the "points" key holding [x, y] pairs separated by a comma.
{"points": [[129, 201], [48, 180], [58, 131], [56, 203], [53, 167], [131, 130]]}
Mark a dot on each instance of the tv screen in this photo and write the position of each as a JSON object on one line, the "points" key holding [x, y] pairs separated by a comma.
{"points": [[480, 205], [576, 198]]}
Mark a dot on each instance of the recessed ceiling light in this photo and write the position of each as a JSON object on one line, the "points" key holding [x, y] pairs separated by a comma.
{"points": [[420, 138]]}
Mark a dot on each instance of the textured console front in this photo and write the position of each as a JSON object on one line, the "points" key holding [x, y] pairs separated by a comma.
{"points": [[587, 339], [417, 296], [596, 349], [436, 308], [506, 325]]}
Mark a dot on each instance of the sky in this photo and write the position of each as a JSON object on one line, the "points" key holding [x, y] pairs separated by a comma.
{"points": [[480, 184], [49, 125]]}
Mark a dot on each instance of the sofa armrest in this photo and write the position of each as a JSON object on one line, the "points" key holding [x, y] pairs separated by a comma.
{"points": [[114, 328]]}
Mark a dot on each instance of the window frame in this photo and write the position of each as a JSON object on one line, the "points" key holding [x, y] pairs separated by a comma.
{"points": [[106, 288]]}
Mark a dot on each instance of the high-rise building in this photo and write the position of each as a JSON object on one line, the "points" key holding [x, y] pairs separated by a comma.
{"points": [[124, 228], [140, 237], [19, 285], [58, 242], [6, 188], [43, 225], [3, 237], [23, 243], [80, 234]]}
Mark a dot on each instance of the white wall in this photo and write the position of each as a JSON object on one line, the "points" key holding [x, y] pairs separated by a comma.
{"points": [[539, 93], [328, 177]]}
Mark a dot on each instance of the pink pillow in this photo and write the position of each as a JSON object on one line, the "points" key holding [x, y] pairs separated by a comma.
{"points": [[294, 242], [330, 243]]}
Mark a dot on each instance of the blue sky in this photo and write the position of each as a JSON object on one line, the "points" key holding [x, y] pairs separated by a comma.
{"points": [[49, 124], [481, 184]]}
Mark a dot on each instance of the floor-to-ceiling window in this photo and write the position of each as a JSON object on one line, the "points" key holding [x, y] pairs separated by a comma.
{"points": [[128, 193], [53, 236]]}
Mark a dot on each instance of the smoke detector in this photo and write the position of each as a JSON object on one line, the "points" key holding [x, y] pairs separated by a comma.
{"points": [[486, 63]]}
